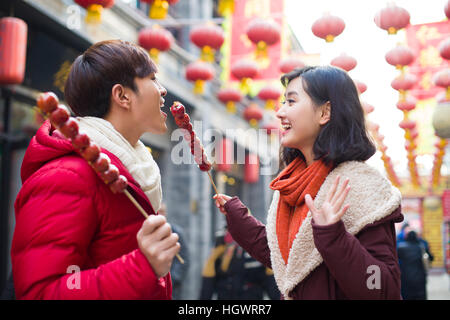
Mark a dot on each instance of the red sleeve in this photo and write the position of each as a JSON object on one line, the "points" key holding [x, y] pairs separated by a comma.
{"points": [[247, 231], [365, 266], [55, 222]]}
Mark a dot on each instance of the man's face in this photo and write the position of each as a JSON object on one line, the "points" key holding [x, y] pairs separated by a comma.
{"points": [[147, 104]]}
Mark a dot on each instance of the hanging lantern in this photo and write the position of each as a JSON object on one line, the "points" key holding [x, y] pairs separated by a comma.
{"points": [[199, 72], [94, 9], [367, 107], [270, 95], [263, 33], [403, 83], [272, 128], [13, 49], [208, 38], [225, 7], [225, 155], [408, 104], [344, 61], [251, 168], [441, 119], [400, 57], [245, 70], [407, 124], [442, 79], [230, 96], [155, 40], [159, 8], [360, 86], [392, 18], [328, 27], [289, 64], [253, 114], [444, 49]]}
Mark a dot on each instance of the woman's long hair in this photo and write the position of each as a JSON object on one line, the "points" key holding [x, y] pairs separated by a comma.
{"points": [[344, 137]]}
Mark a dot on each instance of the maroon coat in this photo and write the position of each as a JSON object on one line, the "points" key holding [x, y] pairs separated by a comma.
{"points": [[344, 272]]}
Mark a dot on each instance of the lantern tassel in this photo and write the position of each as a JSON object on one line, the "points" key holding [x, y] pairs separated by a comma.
{"points": [[207, 54], [199, 86], [231, 107], [245, 85], [159, 9], [154, 54], [94, 14]]}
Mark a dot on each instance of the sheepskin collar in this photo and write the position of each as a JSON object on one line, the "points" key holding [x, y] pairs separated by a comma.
{"points": [[371, 198]]}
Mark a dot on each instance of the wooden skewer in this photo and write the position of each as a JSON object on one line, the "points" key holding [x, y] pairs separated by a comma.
{"points": [[141, 210], [212, 182]]}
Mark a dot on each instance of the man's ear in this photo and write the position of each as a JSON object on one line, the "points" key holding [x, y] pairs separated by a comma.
{"points": [[325, 113], [121, 96]]}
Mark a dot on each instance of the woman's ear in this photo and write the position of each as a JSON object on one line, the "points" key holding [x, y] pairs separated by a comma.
{"points": [[121, 96], [325, 113]]}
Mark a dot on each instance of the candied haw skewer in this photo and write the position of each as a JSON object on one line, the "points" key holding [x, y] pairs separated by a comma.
{"points": [[183, 120]]}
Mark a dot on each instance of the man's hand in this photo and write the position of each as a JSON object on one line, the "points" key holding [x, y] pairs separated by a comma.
{"points": [[159, 245], [331, 210]]}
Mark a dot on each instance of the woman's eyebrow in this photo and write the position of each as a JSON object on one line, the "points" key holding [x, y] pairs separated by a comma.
{"points": [[290, 93]]}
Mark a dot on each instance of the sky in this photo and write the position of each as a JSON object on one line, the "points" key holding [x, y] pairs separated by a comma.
{"points": [[368, 44]]}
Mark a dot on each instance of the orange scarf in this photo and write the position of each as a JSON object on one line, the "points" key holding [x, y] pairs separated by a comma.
{"points": [[294, 183]]}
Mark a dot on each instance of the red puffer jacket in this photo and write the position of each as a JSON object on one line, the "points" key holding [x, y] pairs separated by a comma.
{"points": [[66, 216]]}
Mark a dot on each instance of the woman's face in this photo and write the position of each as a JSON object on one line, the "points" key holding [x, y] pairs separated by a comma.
{"points": [[148, 103], [300, 118]]}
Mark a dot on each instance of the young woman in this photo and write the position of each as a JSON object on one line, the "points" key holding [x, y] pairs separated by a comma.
{"points": [[67, 219], [330, 228]]}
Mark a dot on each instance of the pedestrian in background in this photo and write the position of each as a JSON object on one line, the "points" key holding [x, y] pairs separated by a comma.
{"points": [[324, 240], [413, 266]]}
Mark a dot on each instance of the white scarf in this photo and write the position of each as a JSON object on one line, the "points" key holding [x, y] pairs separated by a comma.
{"points": [[138, 160]]}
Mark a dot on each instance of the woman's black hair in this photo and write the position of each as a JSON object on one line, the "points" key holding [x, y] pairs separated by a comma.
{"points": [[344, 137]]}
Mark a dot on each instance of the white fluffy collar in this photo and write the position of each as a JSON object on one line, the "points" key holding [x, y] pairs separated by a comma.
{"points": [[138, 160], [371, 198]]}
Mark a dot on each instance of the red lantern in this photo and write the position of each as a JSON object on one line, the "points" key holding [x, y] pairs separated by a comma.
{"points": [[199, 72], [154, 40], [447, 9], [159, 8], [270, 94], [244, 70], [272, 127], [225, 155], [13, 49], [263, 33], [392, 18], [208, 38], [328, 27], [442, 78], [94, 9], [408, 104], [251, 168], [229, 96], [344, 61], [360, 86], [404, 82], [400, 56], [289, 64], [367, 107], [407, 124], [444, 49], [253, 114]]}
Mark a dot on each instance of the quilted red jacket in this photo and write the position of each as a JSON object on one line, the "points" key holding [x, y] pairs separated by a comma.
{"points": [[67, 218]]}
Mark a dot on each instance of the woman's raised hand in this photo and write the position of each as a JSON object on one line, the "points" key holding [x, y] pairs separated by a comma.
{"points": [[332, 209], [221, 199]]}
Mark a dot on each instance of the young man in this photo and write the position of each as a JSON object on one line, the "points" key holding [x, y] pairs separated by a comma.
{"points": [[67, 219]]}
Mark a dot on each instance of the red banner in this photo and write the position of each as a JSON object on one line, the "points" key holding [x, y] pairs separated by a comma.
{"points": [[424, 40], [241, 47], [446, 204]]}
